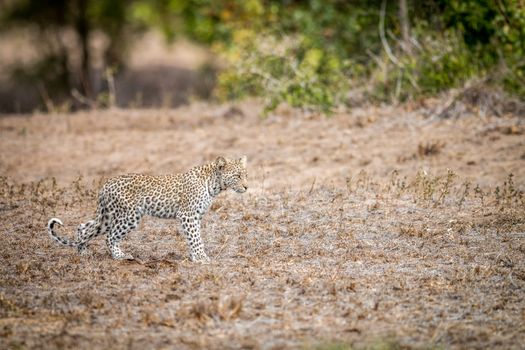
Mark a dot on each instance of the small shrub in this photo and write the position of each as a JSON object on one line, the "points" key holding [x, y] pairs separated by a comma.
{"points": [[441, 61], [282, 69]]}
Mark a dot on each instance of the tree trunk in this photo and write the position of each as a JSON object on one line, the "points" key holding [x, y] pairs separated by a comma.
{"points": [[82, 28], [405, 26]]}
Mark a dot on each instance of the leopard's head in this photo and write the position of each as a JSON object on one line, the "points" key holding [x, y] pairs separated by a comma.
{"points": [[232, 173]]}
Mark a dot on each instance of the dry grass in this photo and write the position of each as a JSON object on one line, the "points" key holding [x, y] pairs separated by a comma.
{"points": [[346, 237]]}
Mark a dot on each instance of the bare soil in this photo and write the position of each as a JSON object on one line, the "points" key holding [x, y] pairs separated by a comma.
{"points": [[380, 228]]}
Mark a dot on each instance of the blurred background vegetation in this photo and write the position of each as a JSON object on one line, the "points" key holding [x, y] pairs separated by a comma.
{"points": [[312, 54]]}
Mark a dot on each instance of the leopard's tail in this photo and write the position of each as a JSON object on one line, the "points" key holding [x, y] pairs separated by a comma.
{"points": [[53, 234]]}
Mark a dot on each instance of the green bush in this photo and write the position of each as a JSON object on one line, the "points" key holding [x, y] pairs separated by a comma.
{"points": [[314, 52], [437, 63], [282, 69]]}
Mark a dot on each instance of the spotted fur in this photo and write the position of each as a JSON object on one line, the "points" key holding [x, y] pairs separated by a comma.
{"points": [[125, 199]]}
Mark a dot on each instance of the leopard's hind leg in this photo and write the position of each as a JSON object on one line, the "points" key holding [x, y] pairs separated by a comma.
{"points": [[120, 227], [90, 230], [82, 236]]}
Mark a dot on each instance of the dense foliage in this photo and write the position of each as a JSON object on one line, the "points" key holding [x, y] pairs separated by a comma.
{"points": [[312, 53]]}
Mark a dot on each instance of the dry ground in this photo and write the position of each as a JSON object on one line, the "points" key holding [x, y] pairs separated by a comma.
{"points": [[381, 228]]}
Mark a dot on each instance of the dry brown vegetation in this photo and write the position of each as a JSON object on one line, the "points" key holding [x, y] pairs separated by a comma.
{"points": [[382, 228]]}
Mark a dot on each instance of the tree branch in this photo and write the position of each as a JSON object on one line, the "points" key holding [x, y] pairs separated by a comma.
{"points": [[382, 35]]}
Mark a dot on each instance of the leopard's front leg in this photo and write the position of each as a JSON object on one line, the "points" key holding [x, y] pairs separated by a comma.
{"points": [[191, 225]]}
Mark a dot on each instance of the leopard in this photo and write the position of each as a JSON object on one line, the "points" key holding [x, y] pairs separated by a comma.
{"points": [[123, 201]]}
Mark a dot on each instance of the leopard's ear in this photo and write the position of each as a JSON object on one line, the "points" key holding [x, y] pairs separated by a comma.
{"points": [[243, 161], [220, 162]]}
